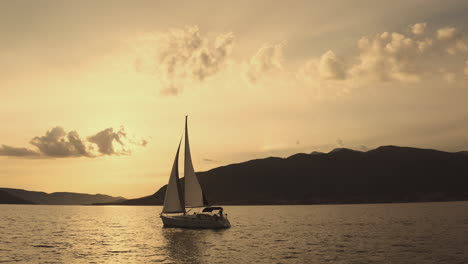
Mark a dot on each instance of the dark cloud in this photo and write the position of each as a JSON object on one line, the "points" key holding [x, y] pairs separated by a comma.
{"points": [[17, 152], [105, 141], [211, 160], [57, 143]]}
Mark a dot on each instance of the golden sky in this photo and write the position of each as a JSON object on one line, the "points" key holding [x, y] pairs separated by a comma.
{"points": [[93, 94]]}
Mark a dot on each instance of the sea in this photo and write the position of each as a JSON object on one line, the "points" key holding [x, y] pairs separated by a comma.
{"points": [[363, 233]]}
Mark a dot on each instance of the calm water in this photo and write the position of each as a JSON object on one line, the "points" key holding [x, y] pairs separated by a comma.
{"points": [[387, 233]]}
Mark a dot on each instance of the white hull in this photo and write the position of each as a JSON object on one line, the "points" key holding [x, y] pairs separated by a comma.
{"points": [[195, 221]]}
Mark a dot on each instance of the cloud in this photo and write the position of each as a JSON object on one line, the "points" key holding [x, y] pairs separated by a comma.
{"points": [[268, 58], [209, 160], [391, 57], [388, 57], [418, 28], [446, 33], [181, 56], [17, 152], [143, 142], [105, 141], [57, 143], [184, 56], [453, 41], [331, 67], [327, 67]]}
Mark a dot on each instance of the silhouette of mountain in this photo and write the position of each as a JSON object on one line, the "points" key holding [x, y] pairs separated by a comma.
{"points": [[316, 153], [63, 198], [385, 174], [6, 198], [343, 150]]}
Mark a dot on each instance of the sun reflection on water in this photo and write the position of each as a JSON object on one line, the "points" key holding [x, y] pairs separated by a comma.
{"points": [[260, 234]]}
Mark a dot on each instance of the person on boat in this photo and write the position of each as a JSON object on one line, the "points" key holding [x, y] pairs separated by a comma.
{"points": [[221, 212]]}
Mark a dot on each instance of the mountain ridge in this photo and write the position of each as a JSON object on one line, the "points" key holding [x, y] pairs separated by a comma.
{"points": [[7, 198], [385, 174], [60, 198]]}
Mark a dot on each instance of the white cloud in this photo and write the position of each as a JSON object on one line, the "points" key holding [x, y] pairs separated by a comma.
{"points": [[418, 28], [184, 56], [330, 67], [446, 33], [181, 56], [388, 57], [268, 58], [392, 57], [452, 40], [424, 45]]}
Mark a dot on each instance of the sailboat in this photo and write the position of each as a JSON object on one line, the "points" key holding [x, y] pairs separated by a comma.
{"points": [[180, 207]]}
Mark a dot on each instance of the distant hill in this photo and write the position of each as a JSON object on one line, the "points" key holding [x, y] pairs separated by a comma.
{"points": [[385, 174], [6, 198], [61, 198]]}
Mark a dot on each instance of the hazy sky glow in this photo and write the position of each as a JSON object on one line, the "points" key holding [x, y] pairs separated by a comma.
{"points": [[94, 93]]}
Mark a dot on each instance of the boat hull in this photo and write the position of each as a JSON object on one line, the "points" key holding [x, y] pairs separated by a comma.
{"points": [[200, 221]]}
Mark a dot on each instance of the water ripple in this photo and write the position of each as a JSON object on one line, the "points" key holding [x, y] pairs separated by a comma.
{"points": [[391, 233]]}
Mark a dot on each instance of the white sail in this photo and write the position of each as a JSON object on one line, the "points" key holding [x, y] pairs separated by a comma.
{"points": [[193, 190], [173, 200]]}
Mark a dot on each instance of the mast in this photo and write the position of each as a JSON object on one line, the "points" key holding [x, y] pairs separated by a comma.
{"points": [[193, 192], [173, 199]]}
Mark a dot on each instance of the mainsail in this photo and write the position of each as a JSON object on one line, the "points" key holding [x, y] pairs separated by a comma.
{"points": [[173, 200], [193, 191]]}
